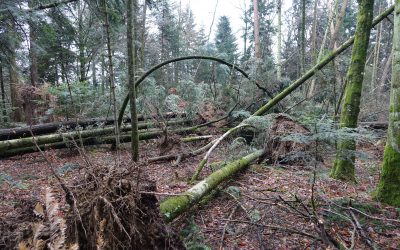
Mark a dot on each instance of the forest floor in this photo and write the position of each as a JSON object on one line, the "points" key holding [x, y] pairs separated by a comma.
{"points": [[265, 207]]}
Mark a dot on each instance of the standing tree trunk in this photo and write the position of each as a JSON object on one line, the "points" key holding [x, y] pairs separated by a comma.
{"points": [[314, 33], [131, 34], [311, 90], [81, 44], [14, 81], [94, 77], [376, 54], [344, 164], [303, 37], [3, 93], [111, 72], [256, 18], [103, 70], [388, 190], [143, 35], [34, 76], [279, 52], [333, 45], [246, 24], [382, 84]]}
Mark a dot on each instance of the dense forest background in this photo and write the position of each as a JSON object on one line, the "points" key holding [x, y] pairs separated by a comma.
{"points": [[305, 99], [60, 53]]}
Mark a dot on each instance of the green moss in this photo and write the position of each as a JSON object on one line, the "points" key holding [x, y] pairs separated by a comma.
{"points": [[343, 168], [344, 164], [174, 206], [388, 190]]}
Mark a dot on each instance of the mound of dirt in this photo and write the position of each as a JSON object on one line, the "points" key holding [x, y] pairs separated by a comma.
{"points": [[286, 141], [101, 210]]}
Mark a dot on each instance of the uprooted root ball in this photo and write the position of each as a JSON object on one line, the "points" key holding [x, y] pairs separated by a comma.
{"points": [[102, 212]]}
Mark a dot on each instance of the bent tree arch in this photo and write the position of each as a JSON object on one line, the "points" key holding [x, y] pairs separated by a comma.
{"points": [[156, 67]]}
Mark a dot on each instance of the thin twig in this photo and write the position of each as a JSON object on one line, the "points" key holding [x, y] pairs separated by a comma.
{"points": [[115, 216], [221, 245], [366, 239]]}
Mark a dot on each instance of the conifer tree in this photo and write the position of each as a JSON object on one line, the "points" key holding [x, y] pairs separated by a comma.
{"points": [[225, 41]]}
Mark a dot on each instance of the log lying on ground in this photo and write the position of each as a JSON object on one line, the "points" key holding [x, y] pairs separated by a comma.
{"points": [[48, 128], [54, 138], [102, 140], [176, 205]]}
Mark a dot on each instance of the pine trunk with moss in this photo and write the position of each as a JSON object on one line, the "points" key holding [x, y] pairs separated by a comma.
{"points": [[343, 168], [388, 190]]}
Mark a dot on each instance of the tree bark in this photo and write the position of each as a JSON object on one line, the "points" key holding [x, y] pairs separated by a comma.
{"points": [[376, 54], [95, 140], [143, 35], [3, 93], [131, 37], [81, 44], [176, 205], [111, 72], [303, 37], [388, 190], [48, 128], [256, 19], [344, 164], [279, 52], [246, 24], [33, 47], [262, 110], [311, 90], [14, 82], [54, 138]]}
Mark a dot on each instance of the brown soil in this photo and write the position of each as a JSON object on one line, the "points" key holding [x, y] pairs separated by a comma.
{"points": [[266, 207]]}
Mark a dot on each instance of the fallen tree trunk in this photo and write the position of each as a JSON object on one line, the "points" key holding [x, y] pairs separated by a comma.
{"points": [[176, 205], [48, 128], [54, 138], [328, 58], [101, 140], [156, 67], [214, 143]]}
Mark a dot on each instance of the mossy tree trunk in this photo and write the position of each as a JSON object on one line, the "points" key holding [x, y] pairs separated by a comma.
{"points": [[311, 72], [59, 137], [131, 37], [388, 190], [174, 206], [3, 94], [344, 163]]}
